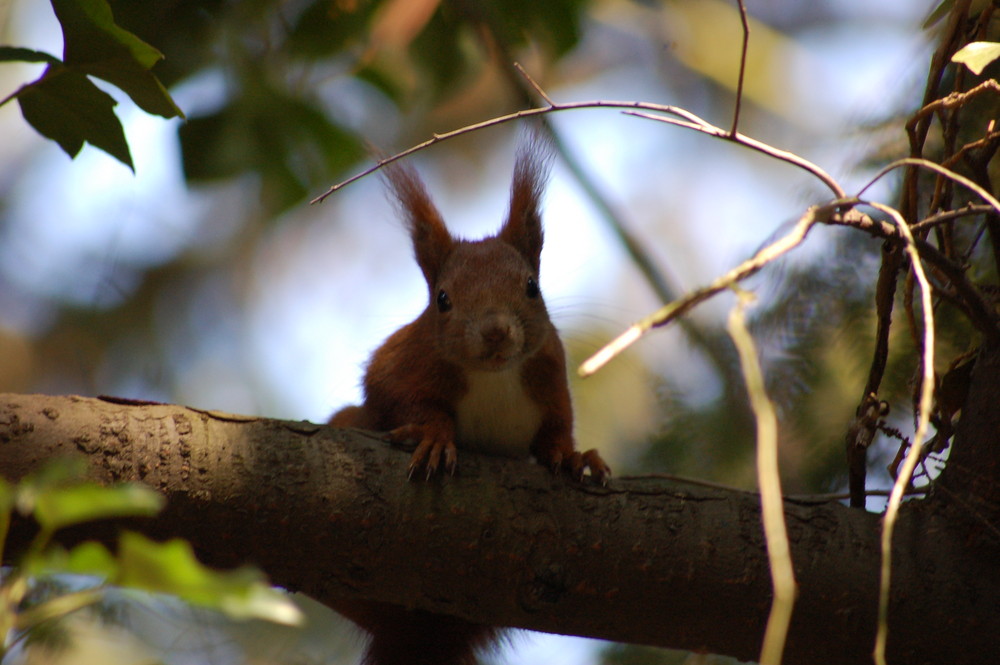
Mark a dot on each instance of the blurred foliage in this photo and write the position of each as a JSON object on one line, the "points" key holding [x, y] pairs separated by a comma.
{"points": [[274, 56], [50, 583]]}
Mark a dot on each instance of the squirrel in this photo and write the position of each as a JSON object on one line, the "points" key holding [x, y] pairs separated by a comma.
{"points": [[481, 369]]}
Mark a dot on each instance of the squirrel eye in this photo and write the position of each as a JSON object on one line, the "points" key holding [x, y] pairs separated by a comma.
{"points": [[443, 301], [532, 290]]}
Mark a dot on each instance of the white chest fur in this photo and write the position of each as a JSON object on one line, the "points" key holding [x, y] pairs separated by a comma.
{"points": [[496, 416]]}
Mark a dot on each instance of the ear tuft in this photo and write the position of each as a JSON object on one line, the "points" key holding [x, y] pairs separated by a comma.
{"points": [[523, 228], [431, 240]]}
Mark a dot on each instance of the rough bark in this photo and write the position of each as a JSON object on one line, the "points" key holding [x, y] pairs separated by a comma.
{"points": [[971, 481], [330, 513]]}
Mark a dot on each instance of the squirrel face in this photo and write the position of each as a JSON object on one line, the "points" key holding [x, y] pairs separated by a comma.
{"points": [[487, 307]]}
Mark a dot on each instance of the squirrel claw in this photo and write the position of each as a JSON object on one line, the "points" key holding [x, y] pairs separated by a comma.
{"points": [[599, 469], [428, 452], [577, 463], [555, 463]]}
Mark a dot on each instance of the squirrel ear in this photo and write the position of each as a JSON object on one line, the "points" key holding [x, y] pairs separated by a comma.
{"points": [[523, 228], [431, 240]]}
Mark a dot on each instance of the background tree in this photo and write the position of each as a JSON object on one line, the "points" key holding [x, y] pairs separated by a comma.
{"points": [[279, 98]]}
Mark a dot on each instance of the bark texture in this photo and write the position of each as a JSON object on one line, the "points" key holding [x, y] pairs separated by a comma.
{"points": [[329, 512]]}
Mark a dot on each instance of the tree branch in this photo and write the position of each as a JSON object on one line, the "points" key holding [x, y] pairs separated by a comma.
{"points": [[329, 512]]}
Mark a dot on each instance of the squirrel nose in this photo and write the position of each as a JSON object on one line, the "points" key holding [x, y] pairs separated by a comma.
{"points": [[496, 333]]}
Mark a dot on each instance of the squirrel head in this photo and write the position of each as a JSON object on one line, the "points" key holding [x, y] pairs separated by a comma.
{"points": [[485, 304]]}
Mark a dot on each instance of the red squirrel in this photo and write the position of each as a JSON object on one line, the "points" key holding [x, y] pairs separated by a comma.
{"points": [[481, 369]]}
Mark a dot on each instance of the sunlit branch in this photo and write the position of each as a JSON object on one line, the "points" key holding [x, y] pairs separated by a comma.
{"points": [[666, 314], [772, 507], [926, 396], [937, 168]]}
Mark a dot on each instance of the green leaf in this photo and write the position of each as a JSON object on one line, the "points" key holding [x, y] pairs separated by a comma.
{"points": [[90, 33], [89, 558], [172, 568], [218, 145], [14, 53], [95, 45], [65, 506], [68, 108], [326, 28], [438, 50], [289, 142], [977, 55], [60, 472]]}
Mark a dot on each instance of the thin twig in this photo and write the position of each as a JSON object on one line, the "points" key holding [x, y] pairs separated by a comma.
{"points": [[794, 498], [975, 307], [697, 124], [693, 122], [641, 258], [948, 215], [940, 170], [534, 84], [984, 142], [768, 480], [743, 67], [666, 314], [953, 100], [926, 396]]}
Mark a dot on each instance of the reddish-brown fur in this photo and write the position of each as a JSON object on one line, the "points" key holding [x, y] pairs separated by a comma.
{"points": [[481, 368]]}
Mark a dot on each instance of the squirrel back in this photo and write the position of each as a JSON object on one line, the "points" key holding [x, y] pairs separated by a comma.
{"points": [[482, 369]]}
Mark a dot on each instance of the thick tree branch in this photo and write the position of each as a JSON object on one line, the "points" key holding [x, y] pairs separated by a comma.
{"points": [[329, 512]]}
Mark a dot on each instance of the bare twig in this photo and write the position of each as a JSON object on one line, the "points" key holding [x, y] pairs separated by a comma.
{"points": [[666, 314], [772, 510], [795, 498], [940, 170], [926, 395], [984, 142], [949, 215], [534, 85], [953, 100], [743, 67], [693, 122], [641, 258], [980, 313], [860, 434], [699, 125]]}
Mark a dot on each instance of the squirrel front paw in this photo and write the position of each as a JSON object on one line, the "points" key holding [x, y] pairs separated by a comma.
{"points": [[576, 462], [432, 445]]}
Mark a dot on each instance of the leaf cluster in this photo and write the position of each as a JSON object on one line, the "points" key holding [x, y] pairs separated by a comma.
{"points": [[273, 57], [65, 105], [33, 599]]}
